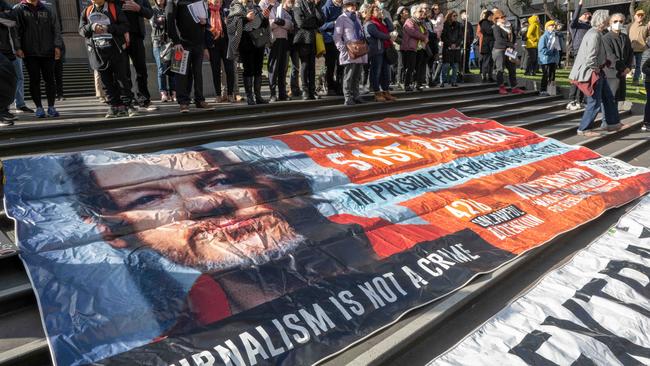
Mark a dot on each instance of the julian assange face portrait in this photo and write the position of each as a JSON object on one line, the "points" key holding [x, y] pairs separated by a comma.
{"points": [[205, 210]]}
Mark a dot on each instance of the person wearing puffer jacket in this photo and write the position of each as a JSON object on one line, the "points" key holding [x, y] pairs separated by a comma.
{"points": [[533, 34], [347, 28], [379, 39], [549, 55]]}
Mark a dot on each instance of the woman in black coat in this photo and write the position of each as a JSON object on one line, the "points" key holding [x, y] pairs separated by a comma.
{"points": [[308, 18], [486, 44], [452, 38]]}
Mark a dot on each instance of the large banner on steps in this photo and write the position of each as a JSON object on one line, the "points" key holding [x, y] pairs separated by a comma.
{"points": [[288, 249], [594, 310]]}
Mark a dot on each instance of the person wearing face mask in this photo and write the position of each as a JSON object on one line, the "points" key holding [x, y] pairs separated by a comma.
{"points": [[620, 54], [504, 42], [589, 63], [549, 55]]}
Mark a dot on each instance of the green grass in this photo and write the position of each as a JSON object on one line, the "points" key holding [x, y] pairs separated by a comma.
{"points": [[562, 79]]}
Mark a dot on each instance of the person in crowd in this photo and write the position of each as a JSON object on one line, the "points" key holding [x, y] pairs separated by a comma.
{"points": [[646, 113], [347, 29], [414, 39], [58, 63], [39, 43], [468, 39], [333, 70], [486, 44], [403, 14], [281, 26], [106, 43], [136, 12], [159, 39], [638, 33], [7, 55], [533, 35], [549, 55], [504, 42], [187, 35], [452, 38], [365, 72], [592, 58], [308, 19], [523, 31], [294, 57], [580, 24], [436, 19], [249, 33], [620, 54], [99, 88], [379, 39], [217, 43]]}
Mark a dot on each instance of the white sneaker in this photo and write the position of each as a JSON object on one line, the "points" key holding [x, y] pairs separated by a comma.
{"points": [[151, 108], [569, 106], [644, 128]]}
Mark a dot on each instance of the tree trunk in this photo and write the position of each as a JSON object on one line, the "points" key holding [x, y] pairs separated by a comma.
{"points": [[547, 12]]}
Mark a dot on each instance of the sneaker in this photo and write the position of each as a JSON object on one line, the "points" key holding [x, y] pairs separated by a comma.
{"points": [[645, 128], [40, 112], [614, 128], [164, 97], [8, 116], [503, 90], [273, 99], [102, 99], [442, 85], [60, 98], [349, 102], [543, 94], [572, 106], [149, 107], [122, 112], [52, 112], [113, 112], [5, 122], [202, 104], [454, 85], [185, 108], [24, 109], [588, 133], [132, 111], [516, 91]]}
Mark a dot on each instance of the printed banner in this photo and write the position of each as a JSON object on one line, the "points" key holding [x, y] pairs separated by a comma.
{"points": [[594, 310], [288, 249]]}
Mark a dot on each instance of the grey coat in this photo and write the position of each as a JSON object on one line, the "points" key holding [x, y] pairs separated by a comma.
{"points": [[591, 56]]}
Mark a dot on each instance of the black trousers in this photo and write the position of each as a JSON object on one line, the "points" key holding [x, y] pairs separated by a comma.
{"points": [[466, 57], [217, 56], [431, 64], [487, 64], [278, 67], [501, 63], [421, 58], [294, 78], [333, 71], [194, 75], [531, 66], [409, 58], [548, 74], [136, 53], [307, 53], [399, 72], [37, 67], [58, 76], [252, 59], [116, 82]]}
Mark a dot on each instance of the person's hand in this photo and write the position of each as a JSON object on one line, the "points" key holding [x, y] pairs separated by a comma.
{"points": [[130, 5], [57, 53], [20, 54], [206, 54], [626, 71], [202, 21], [250, 16], [178, 48], [266, 13], [580, 2]]}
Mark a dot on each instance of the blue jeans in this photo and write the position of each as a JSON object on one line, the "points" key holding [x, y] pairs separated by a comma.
{"points": [[165, 82], [637, 65], [603, 99], [444, 75], [20, 83], [379, 72]]}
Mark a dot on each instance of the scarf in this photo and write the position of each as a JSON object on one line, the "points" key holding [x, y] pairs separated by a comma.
{"points": [[553, 43], [215, 21], [506, 27], [358, 31], [382, 28]]}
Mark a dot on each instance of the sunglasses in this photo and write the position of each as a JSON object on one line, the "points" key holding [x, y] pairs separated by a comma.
{"points": [[617, 21]]}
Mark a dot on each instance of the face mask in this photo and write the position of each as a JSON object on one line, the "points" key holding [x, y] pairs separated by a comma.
{"points": [[382, 5], [617, 26]]}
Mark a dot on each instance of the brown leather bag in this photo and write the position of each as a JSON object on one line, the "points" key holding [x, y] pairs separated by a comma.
{"points": [[357, 49]]}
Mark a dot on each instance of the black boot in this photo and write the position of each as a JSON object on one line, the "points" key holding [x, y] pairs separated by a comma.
{"points": [[248, 87], [258, 90]]}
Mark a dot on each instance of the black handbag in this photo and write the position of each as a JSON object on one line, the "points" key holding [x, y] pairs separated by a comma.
{"points": [[391, 55], [259, 37]]}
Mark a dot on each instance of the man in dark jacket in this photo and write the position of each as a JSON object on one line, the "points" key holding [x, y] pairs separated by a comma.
{"points": [[187, 35], [308, 18], [620, 54], [580, 24], [39, 43], [105, 43], [333, 71], [486, 44], [136, 11], [7, 55]]}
